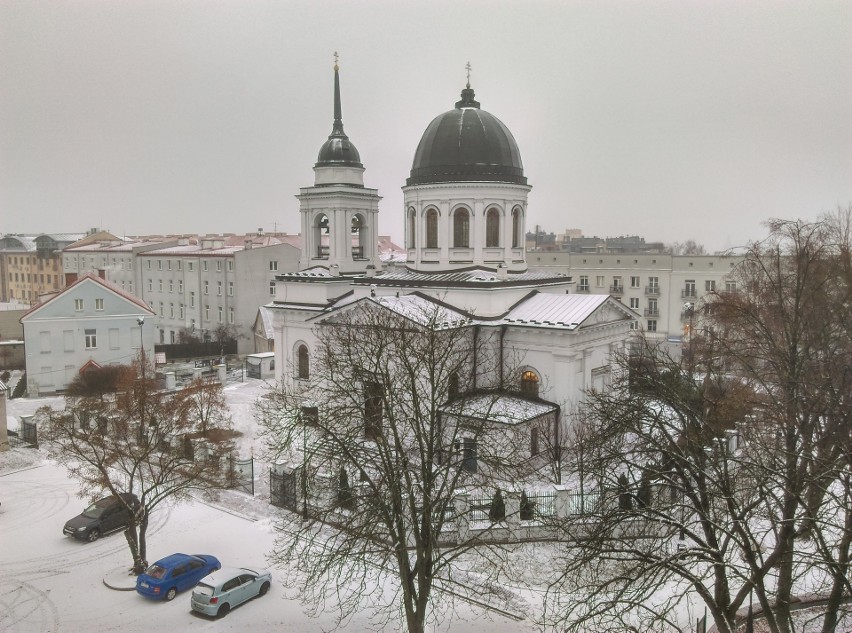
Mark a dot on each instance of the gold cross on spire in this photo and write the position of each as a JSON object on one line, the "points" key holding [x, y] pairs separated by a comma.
{"points": [[467, 67], [335, 60]]}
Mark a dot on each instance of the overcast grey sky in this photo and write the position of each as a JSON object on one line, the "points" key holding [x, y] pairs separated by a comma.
{"points": [[672, 120]]}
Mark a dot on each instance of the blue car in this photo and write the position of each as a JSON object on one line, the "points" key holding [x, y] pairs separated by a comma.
{"points": [[163, 579]]}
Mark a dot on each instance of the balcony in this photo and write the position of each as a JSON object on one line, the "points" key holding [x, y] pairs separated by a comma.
{"points": [[651, 312], [583, 289], [616, 290], [688, 293], [652, 291]]}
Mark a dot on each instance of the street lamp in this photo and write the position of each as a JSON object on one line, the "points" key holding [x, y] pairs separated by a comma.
{"points": [[141, 321]]}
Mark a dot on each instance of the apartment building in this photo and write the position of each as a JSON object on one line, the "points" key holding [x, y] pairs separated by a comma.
{"points": [[666, 291], [31, 265]]}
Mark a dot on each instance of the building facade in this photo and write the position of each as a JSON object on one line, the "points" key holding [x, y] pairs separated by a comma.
{"points": [[90, 322]]}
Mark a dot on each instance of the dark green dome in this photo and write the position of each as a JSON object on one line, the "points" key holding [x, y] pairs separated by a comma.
{"points": [[467, 144]]}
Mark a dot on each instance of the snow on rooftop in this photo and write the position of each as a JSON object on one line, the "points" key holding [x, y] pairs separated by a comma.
{"points": [[502, 408], [552, 310]]}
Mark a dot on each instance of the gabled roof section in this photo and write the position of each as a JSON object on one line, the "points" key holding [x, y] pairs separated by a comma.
{"points": [[263, 322], [414, 307], [499, 407], [566, 311], [91, 278]]}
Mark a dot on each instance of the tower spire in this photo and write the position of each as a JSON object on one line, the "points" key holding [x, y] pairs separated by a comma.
{"points": [[338, 117]]}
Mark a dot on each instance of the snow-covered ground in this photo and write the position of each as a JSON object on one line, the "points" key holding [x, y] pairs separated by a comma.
{"points": [[51, 583]]}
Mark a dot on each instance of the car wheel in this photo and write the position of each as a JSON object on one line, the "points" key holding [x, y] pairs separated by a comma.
{"points": [[171, 593], [263, 589], [93, 535], [223, 610]]}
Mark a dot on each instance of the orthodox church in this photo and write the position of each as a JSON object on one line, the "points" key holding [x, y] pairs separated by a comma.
{"points": [[465, 213]]}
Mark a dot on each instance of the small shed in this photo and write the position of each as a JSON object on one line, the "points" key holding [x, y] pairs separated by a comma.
{"points": [[261, 365]]}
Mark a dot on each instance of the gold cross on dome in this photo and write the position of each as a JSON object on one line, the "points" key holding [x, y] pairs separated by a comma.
{"points": [[467, 67]]}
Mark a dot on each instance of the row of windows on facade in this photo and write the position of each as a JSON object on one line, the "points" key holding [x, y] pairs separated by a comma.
{"points": [[182, 312], [23, 260], [90, 340], [689, 288], [229, 263], [206, 286], [461, 227], [39, 278]]}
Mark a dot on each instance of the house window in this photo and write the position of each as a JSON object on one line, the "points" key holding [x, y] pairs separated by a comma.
{"points": [[412, 219], [431, 228], [181, 311], [230, 264], [617, 284], [171, 311], [91, 339], [461, 228], [584, 283], [219, 288], [219, 265], [161, 308], [159, 264], [189, 266], [221, 314], [653, 284], [204, 265], [634, 282], [634, 303], [192, 299], [689, 288], [150, 285], [207, 287], [529, 383], [171, 285], [652, 325], [273, 266], [78, 305], [149, 264], [206, 313], [179, 265], [492, 227], [172, 336], [534, 441], [168, 264], [303, 365], [730, 286], [372, 410], [231, 316], [99, 304], [160, 285], [180, 285], [230, 288], [653, 310], [710, 285]]}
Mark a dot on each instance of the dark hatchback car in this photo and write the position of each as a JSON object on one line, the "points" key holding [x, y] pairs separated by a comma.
{"points": [[104, 516]]}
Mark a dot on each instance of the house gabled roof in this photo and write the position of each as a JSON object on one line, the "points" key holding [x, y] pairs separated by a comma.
{"points": [[415, 307], [91, 277], [504, 408], [565, 311], [263, 322]]}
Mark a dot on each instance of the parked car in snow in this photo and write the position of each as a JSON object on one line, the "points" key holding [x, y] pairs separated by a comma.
{"points": [[177, 572], [227, 588], [104, 516]]}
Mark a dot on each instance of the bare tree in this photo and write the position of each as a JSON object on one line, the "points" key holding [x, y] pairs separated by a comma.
{"points": [[102, 443], [688, 247], [399, 413], [206, 405], [727, 476]]}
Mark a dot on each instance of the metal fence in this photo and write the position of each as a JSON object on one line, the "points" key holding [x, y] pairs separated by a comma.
{"points": [[283, 489], [27, 436], [242, 472]]}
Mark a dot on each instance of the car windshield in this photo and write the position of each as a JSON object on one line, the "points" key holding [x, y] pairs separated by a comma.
{"points": [[94, 511], [155, 571], [204, 590]]}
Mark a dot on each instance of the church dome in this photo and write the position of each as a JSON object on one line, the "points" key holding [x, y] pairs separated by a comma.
{"points": [[467, 144]]}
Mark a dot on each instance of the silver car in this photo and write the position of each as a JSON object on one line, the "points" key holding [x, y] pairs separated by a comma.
{"points": [[217, 593]]}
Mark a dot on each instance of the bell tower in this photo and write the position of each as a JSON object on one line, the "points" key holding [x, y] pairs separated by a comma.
{"points": [[339, 214]]}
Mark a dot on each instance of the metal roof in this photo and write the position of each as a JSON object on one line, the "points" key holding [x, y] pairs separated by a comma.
{"points": [[552, 310]]}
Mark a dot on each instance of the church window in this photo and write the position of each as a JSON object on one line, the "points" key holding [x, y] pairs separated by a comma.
{"points": [[529, 382], [516, 228], [321, 239], [304, 370], [492, 227], [431, 228], [412, 233], [461, 228]]}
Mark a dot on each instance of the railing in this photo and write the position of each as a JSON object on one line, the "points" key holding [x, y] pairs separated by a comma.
{"points": [[616, 290], [652, 312], [322, 252], [687, 293], [652, 290], [583, 289]]}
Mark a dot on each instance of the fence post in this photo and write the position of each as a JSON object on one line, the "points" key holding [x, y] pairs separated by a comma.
{"points": [[561, 500], [462, 505], [513, 513]]}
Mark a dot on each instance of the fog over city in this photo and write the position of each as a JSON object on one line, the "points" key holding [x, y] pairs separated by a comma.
{"points": [[670, 120]]}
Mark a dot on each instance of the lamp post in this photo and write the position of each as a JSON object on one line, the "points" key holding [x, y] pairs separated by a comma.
{"points": [[141, 322]]}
